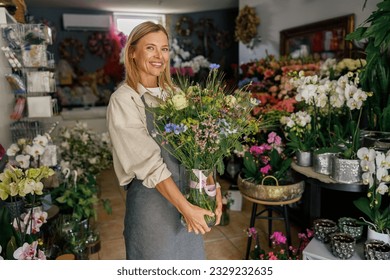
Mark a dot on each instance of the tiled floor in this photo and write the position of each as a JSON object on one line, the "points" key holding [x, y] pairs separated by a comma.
{"points": [[222, 243]]}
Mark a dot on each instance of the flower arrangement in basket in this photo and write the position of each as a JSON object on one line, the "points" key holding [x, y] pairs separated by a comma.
{"points": [[200, 126], [266, 172], [375, 166]]}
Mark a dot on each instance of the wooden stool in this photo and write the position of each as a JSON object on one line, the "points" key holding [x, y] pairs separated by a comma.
{"points": [[269, 206]]}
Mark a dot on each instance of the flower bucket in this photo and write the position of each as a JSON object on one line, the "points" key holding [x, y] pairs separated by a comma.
{"points": [[322, 163], [270, 193], [346, 170], [304, 158]]}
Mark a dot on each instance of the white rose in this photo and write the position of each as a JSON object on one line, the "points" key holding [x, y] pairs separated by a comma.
{"points": [[179, 102]]}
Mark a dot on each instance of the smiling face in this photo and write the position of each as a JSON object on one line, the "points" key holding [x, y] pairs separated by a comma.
{"points": [[151, 55]]}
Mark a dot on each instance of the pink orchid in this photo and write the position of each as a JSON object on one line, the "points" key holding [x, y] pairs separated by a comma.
{"points": [[278, 238], [266, 169], [29, 252]]}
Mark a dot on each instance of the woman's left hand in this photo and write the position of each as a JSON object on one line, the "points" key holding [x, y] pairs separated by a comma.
{"points": [[218, 209]]}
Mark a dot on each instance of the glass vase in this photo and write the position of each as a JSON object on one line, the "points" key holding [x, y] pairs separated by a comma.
{"points": [[201, 191]]}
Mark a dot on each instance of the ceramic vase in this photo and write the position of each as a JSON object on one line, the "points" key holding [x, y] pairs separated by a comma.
{"points": [[376, 250], [374, 235]]}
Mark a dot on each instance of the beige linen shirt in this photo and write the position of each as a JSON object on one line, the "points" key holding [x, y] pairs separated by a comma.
{"points": [[135, 152]]}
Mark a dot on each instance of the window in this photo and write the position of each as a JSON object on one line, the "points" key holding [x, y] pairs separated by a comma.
{"points": [[125, 22]]}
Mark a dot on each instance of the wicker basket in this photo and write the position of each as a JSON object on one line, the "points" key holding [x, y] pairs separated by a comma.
{"points": [[270, 193]]}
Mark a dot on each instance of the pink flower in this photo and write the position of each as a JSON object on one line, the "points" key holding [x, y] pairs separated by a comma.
{"points": [[266, 169], [273, 138], [28, 252], [278, 238]]}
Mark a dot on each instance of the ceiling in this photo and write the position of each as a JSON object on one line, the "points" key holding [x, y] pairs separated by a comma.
{"points": [[138, 6]]}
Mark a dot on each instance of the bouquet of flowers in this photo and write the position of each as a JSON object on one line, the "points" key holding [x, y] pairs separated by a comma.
{"points": [[375, 166], [200, 126], [281, 252], [265, 159]]}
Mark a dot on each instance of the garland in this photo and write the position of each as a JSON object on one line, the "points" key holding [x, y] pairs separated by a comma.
{"points": [[72, 50], [246, 25], [184, 26]]}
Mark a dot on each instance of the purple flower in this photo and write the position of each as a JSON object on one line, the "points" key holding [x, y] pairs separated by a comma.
{"points": [[214, 66]]}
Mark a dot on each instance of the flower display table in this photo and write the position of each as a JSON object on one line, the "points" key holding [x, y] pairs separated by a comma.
{"points": [[314, 204], [316, 250]]}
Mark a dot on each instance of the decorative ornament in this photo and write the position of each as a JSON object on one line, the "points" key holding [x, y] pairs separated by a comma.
{"points": [[184, 26], [72, 50], [246, 26]]}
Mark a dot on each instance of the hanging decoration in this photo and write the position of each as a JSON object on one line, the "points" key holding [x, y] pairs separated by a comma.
{"points": [[223, 39], [72, 50], [246, 26], [100, 44], [184, 26]]}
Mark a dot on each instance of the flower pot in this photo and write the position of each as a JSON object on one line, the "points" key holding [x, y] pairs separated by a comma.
{"points": [[304, 158], [374, 235], [342, 245], [270, 193], [201, 191], [15, 208], [346, 170], [323, 228], [350, 226], [322, 163], [376, 250]]}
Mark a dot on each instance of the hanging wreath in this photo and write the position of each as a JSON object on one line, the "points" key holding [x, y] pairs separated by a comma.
{"points": [[246, 25], [184, 26], [72, 50], [100, 44], [223, 40]]}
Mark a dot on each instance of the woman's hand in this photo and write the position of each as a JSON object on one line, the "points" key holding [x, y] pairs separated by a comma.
{"points": [[194, 217]]}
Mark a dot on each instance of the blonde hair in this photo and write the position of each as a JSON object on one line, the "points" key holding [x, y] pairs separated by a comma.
{"points": [[132, 77]]}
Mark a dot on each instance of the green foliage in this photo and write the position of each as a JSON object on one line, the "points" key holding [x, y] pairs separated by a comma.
{"points": [[375, 76]]}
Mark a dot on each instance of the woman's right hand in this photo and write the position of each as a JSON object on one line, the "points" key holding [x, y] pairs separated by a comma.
{"points": [[194, 217]]}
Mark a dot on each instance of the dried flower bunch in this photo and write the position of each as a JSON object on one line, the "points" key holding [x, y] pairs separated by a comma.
{"points": [[246, 25]]}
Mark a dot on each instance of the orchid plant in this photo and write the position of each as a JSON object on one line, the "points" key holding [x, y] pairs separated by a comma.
{"points": [[84, 150], [26, 153], [375, 166], [265, 159], [336, 107]]}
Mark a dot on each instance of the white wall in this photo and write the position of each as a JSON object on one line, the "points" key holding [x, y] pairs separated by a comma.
{"points": [[277, 15]]}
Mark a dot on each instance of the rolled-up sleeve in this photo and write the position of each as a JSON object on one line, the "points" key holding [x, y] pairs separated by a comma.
{"points": [[135, 152]]}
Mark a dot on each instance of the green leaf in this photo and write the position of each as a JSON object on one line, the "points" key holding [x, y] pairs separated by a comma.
{"points": [[363, 204]]}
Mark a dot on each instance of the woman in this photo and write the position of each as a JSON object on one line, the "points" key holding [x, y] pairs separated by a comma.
{"points": [[151, 176]]}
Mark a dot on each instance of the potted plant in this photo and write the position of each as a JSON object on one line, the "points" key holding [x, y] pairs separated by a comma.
{"points": [[266, 173], [375, 166], [375, 77]]}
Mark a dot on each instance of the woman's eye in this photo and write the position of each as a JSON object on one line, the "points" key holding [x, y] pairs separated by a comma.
{"points": [[165, 49], [150, 48]]}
